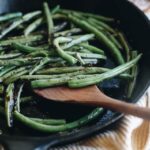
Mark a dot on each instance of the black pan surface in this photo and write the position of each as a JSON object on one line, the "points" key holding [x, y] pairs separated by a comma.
{"points": [[136, 27]]}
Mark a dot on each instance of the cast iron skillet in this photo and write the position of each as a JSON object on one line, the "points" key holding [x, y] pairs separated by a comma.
{"points": [[137, 29]]}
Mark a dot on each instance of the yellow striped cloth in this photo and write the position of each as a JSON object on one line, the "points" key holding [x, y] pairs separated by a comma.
{"points": [[132, 133]]}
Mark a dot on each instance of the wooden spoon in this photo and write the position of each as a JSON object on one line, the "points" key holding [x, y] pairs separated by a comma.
{"points": [[92, 96]]}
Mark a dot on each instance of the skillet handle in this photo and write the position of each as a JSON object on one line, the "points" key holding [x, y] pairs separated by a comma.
{"points": [[24, 145], [16, 145]]}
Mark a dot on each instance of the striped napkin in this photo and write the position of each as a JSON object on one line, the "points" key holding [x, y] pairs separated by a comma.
{"points": [[132, 133]]}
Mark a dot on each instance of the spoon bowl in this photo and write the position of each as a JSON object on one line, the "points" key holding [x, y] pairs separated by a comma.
{"points": [[91, 95]]}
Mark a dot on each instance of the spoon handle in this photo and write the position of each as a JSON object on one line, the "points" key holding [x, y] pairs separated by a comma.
{"points": [[123, 107]]}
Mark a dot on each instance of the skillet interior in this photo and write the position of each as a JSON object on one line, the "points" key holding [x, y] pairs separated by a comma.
{"points": [[137, 30]]}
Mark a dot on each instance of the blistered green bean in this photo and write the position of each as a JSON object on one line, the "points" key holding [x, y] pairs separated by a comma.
{"points": [[76, 83], [22, 40], [15, 24], [10, 16], [33, 26], [9, 104], [101, 36]]}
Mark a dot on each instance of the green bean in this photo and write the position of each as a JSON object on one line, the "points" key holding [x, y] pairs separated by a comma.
{"points": [[50, 82], [49, 20], [125, 45], [79, 16], [26, 99], [126, 76], [14, 77], [78, 48], [15, 24], [102, 24], [85, 71], [101, 36], [79, 40], [10, 16], [84, 51], [60, 27], [76, 83], [90, 61], [12, 72], [31, 15], [1, 89], [92, 48], [134, 73], [59, 128], [22, 40], [17, 62], [80, 59], [115, 41], [59, 70], [2, 53], [70, 59], [99, 17], [42, 53], [38, 124], [44, 77], [17, 106], [89, 55], [40, 65], [71, 71], [24, 48], [55, 9], [49, 121], [9, 56], [67, 32], [55, 60], [33, 26], [74, 48], [96, 26], [2, 49], [1, 67], [43, 83], [9, 104], [59, 16], [6, 70]]}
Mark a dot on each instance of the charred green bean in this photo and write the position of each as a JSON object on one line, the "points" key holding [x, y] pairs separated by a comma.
{"points": [[76, 83]]}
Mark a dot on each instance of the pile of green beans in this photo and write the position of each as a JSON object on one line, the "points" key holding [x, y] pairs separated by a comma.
{"points": [[54, 47]]}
